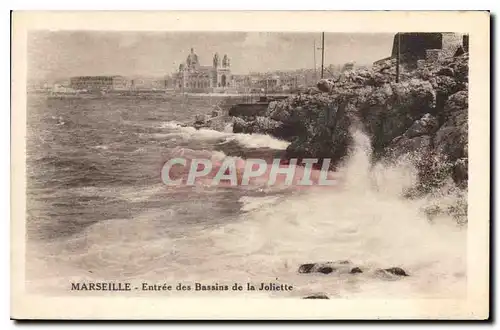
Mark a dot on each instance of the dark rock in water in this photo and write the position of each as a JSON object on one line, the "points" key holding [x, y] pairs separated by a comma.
{"points": [[342, 266], [326, 270], [261, 125], [239, 125], [396, 271], [356, 270], [306, 268], [199, 125], [346, 267], [317, 296]]}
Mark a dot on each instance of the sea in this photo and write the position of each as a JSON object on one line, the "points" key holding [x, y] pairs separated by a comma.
{"points": [[98, 211]]}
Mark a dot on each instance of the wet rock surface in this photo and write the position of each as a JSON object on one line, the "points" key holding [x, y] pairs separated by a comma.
{"points": [[317, 296], [215, 121], [396, 271], [346, 267]]}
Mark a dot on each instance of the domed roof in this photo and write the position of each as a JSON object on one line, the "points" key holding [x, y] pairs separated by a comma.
{"points": [[192, 58]]}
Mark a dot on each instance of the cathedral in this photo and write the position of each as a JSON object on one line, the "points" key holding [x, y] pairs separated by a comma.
{"points": [[193, 77]]}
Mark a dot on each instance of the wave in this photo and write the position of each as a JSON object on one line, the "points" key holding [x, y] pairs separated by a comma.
{"points": [[246, 140], [258, 141], [367, 222]]}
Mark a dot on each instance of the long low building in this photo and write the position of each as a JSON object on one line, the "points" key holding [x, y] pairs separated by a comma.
{"points": [[98, 82], [119, 83]]}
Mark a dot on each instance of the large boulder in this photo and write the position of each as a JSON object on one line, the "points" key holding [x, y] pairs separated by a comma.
{"points": [[427, 125], [390, 110], [417, 138], [317, 296], [343, 266], [325, 85], [451, 139], [403, 145], [262, 125]]}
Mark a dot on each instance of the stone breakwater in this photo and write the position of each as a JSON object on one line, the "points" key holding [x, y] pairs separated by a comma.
{"points": [[422, 118]]}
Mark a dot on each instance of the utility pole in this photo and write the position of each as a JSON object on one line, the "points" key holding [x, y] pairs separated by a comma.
{"points": [[314, 52], [322, 53], [398, 57]]}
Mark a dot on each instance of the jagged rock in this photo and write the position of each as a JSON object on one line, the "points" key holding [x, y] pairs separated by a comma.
{"points": [[424, 114], [325, 85], [389, 275], [261, 125], [460, 172], [427, 125], [452, 137], [215, 121], [417, 94], [396, 271], [451, 141], [446, 71], [313, 91], [343, 266], [317, 296], [460, 66], [201, 118], [445, 86], [239, 125], [306, 268], [325, 269], [456, 102], [403, 145], [433, 171], [356, 270], [344, 262]]}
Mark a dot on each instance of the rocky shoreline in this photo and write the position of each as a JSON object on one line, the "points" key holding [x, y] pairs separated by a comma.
{"points": [[423, 117]]}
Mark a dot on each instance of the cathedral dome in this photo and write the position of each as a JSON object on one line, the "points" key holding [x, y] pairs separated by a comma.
{"points": [[192, 59]]}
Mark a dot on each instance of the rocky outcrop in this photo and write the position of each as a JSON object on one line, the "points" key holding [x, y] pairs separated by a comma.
{"points": [[417, 138], [424, 116], [215, 121], [326, 85], [346, 267], [395, 271], [317, 296], [263, 125], [327, 267]]}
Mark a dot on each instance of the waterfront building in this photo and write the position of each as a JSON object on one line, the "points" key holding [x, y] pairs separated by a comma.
{"points": [[101, 83], [269, 83]]}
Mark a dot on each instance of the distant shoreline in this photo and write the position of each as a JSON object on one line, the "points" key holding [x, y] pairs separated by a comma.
{"points": [[155, 94]]}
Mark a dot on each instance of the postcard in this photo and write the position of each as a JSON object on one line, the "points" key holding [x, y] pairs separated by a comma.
{"points": [[250, 165]]}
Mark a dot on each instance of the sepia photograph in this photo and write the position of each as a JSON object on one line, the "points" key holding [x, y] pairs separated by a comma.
{"points": [[251, 164]]}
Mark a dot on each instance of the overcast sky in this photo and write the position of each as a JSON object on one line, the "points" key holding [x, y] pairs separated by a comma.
{"points": [[69, 53]]}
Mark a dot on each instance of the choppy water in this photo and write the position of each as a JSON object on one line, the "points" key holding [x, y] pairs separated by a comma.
{"points": [[97, 210]]}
